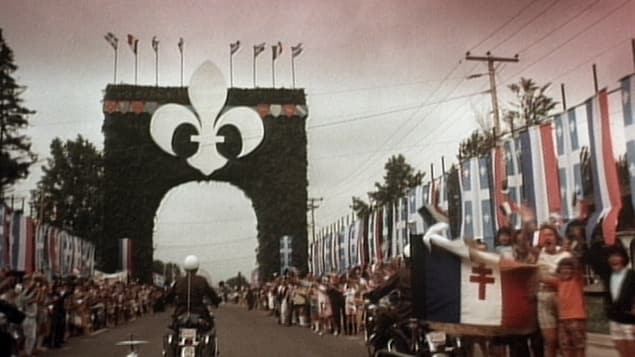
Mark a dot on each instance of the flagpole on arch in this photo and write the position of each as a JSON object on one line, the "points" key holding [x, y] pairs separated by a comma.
{"points": [[276, 51], [114, 43], [257, 50], [180, 44], [233, 48], [155, 47], [133, 42], [295, 52]]}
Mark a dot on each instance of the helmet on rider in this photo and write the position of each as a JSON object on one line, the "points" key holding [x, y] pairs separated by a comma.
{"points": [[191, 263]]}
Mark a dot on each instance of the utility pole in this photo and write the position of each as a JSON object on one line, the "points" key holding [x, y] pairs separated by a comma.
{"points": [[312, 205], [492, 80]]}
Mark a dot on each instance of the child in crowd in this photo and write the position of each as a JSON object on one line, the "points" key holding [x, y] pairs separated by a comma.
{"points": [[504, 243], [571, 307]]}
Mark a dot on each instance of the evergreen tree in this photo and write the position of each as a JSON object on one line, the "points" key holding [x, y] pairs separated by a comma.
{"points": [[400, 177], [70, 191], [15, 147], [360, 207]]}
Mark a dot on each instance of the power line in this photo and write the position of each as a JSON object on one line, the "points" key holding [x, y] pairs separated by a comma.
{"points": [[552, 4], [412, 107], [568, 40], [527, 6], [560, 26]]}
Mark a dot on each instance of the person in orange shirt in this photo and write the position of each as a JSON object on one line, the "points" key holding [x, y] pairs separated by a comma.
{"points": [[571, 307]]}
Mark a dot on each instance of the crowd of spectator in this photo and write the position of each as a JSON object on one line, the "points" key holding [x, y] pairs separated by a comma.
{"points": [[566, 264], [330, 304], [59, 309]]}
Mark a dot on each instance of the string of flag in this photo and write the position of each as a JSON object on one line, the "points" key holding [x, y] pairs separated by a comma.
{"points": [[537, 170], [29, 246]]}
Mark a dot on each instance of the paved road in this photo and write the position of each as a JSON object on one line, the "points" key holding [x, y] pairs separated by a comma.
{"points": [[241, 333]]}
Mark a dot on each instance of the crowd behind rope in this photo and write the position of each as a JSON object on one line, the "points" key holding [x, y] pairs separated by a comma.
{"points": [[56, 310], [335, 303]]}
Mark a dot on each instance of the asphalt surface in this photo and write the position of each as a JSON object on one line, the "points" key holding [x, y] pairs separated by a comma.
{"points": [[241, 333]]}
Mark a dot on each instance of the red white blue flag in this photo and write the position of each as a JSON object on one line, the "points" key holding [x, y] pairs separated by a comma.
{"points": [[628, 110], [540, 172], [470, 287], [606, 186], [476, 194], [53, 243]]}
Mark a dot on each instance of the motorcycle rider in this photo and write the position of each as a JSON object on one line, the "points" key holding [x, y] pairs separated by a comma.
{"points": [[191, 295], [200, 293]]}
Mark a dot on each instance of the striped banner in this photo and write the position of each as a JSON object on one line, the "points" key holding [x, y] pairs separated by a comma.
{"points": [[540, 168], [606, 187]]}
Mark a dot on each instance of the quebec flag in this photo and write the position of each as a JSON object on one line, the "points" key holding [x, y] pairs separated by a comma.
{"points": [[476, 195], [469, 287]]}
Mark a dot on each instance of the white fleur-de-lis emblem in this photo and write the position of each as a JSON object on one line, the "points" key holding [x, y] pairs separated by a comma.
{"points": [[207, 92]]}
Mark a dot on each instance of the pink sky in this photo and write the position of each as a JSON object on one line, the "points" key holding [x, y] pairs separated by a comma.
{"points": [[361, 59]]}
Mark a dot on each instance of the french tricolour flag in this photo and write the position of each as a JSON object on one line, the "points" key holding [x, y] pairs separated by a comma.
{"points": [[540, 171], [469, 287], [606, 186], [125, 254], [568, 147], [478, 214], [628, 108], [23, 243]]}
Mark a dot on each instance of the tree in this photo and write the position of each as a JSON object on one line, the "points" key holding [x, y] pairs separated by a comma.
{"points": [[15, 147], [532, 106], [478, 144], [360, 207], [400, 177], [70, 191], [237, 281]]}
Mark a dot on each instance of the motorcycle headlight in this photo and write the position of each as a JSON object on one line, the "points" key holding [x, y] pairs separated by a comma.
{"points": [[207, 339], [170, 339]]}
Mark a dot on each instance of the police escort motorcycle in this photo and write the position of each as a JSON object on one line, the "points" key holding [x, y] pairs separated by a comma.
{"points": [[192, 333]]}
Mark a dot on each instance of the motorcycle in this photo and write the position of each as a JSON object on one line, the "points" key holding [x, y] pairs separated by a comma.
{"points": [[10, 331], [194, 337], [191, 334], [412, 337]]}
